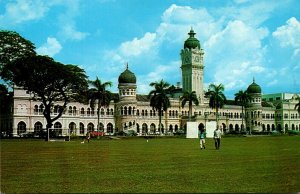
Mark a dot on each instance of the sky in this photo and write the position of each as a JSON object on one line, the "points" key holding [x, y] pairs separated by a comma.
{"points": [[242, 39]]}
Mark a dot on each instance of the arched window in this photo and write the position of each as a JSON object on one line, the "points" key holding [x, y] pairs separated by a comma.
{"points": [[125, 110], [74, 110], [129, 110], [21, 127], [138, 112], [102, 111], [36, 109], [70, 110], [88, 112], [41, 110], [82, 111]]}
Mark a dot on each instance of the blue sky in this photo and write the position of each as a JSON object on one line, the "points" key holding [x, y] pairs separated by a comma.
{"points": [[241, 39]]}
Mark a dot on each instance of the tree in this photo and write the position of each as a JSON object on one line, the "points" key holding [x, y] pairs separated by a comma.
{"points": [[297, 106], [242, 98], [98, 94], [48, 81], [6, 104], [159, 99], [13, 47], [190, 97], [217, 98]]}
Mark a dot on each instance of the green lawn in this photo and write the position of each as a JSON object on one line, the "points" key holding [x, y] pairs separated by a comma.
{"points": [[246, 164]]}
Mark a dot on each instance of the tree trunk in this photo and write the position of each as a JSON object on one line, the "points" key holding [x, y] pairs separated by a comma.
{"points": [[159, 122]]}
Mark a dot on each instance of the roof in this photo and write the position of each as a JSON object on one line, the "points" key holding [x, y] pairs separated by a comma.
{"points": [[192, 42]]}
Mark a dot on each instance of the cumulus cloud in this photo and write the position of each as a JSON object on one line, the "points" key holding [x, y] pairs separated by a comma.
{"points": [[289, 35], [69, 32], [23, 10], [138, 46], [50, 48], [238, 48]]}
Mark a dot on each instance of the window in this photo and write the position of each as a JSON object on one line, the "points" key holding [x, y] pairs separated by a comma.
{"points": [[286, 115]]}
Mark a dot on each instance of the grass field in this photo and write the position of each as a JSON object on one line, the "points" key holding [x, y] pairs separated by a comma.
{"points": [[245, 164]]}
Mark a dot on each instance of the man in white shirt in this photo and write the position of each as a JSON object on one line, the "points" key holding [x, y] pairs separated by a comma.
{"points": [[217, 138]]}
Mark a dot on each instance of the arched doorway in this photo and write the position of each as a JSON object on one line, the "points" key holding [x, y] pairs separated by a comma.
{"points": [[90, 127], [81, 128], [21, 127], [38, 126], [144, 128], [72, 128], [58, 128], [110, 130]]}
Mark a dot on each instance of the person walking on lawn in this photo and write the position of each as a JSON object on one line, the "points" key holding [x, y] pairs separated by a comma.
{"points": [[217, 138], [202, 136]]}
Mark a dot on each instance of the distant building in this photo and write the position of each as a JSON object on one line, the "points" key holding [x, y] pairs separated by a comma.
{"points": [[267, 112]]}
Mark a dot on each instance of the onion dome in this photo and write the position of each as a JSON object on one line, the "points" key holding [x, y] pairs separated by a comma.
{"points": [[254, 88], [191, 42], [127, 77]]}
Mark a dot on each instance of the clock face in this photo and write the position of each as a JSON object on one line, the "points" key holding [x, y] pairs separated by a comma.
{"points": [[197, 59], [187, 59]]}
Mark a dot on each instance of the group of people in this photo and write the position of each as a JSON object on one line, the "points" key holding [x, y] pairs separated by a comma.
{"points": [[217, 138]]}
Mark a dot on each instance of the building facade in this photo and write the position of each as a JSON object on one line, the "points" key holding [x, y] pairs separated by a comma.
{"points": [[133, 111]]}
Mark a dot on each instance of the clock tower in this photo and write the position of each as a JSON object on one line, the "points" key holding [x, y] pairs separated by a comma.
{"points": [[192, 66]]}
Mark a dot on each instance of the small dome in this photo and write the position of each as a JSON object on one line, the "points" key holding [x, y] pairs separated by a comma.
{"points": [[191, 42], [127, 77], [254, 88]]}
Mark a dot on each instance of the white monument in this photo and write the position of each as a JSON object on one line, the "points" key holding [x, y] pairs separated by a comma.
{"points": [[192, 129]]}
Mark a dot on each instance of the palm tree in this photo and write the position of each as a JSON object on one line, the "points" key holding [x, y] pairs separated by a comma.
{"points": [[159, 99], [297, 106], [191, 97], [242, 98], [99, 94], [217, 98]]}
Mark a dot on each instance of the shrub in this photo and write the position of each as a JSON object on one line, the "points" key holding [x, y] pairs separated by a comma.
{"points": [[293, 132]]}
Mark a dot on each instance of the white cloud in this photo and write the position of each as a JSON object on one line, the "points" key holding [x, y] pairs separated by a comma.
{"points": [[235, 54], [22, 11], [137, 46], [51, 48], [289, 35], [69, 32], [185, 15]]}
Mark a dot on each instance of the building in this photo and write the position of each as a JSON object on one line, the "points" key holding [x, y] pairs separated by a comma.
{"points": [[133, 112]]}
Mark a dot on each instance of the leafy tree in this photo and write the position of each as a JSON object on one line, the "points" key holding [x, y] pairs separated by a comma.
{"points": [[6, 102], [13, 47], [217, 98], [159, 99], [242, 98], [297, 106], [190, 97], [49, 82], [100, 96]]}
